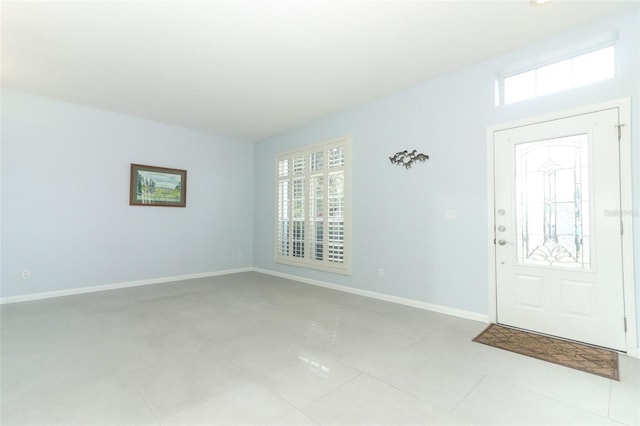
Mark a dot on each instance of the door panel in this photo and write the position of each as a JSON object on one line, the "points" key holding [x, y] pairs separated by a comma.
{"points": [[558, 235], [529, 292]]}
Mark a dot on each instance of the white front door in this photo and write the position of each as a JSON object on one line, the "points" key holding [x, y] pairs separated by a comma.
{"points": [[558, 228]]}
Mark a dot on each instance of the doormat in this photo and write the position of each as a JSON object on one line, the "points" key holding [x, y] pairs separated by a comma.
{"points": [[598, 361]]}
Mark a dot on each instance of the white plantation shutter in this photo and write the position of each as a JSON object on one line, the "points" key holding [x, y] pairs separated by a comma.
{"points": [[312, 211]]}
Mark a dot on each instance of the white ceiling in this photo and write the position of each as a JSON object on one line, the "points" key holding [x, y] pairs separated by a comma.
{"points": [[252, 69]]}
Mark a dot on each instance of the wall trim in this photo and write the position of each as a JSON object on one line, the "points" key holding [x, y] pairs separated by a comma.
{"points": [[381, 296], [115, 286]]}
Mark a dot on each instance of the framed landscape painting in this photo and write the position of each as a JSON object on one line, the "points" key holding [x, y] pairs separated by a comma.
{"points": [[157, 186]]}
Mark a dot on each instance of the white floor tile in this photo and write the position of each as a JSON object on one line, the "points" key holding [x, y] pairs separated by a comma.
{"points": [[495, 402], [295, 418], [293, 371], [251, 349], [574, 387], [430, 378], [105, 401], [625, 394], [238, 401], [367, 401], [170, 389]]}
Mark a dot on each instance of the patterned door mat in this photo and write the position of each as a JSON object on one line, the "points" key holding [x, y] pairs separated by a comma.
{"points": [[601, 362]]}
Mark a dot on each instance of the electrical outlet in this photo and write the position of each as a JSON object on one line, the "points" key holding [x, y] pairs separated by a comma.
{"points": [[26, 273], [380, 273]]}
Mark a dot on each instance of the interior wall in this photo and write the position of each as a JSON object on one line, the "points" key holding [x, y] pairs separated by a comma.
{"points": [[65, 199], [399, 220]]}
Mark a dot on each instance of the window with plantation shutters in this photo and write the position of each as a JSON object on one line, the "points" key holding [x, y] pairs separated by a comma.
{"points": [[313, 207]]}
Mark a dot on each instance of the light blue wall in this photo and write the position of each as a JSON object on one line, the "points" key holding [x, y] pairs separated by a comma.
{"points": [[65, 205], [398, 214]]}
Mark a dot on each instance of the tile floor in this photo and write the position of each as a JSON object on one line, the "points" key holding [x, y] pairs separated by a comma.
{"points": [[249, 349]]}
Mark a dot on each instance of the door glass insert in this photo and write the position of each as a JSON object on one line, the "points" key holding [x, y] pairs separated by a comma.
{"points": [[552, 202]]}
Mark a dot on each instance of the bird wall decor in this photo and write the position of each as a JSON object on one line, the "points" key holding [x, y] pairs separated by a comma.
{"points": [[406, 159]]}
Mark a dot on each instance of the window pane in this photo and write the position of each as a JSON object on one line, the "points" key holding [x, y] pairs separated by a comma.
{"points": [[283, 168], [283, 218], [520, 87], [317, 240], [316, 197], [336, 218], [298, 198], [336, 195], [563, 75], [283, 237], [594, 66], [316, 161], [298, 238], [553, 78], [336, 242], [336, 157], [316, 213], [298, 165]]}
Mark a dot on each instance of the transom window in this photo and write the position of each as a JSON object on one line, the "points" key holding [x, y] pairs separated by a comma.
{"points": [[313, 214], [576, 71]]}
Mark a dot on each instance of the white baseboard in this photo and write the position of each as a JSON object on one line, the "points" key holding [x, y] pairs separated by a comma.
{"points": [[381, 296], [92, 289]]}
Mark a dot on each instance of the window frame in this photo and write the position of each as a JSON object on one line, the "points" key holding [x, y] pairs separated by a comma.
{"points": [[343, 267]]}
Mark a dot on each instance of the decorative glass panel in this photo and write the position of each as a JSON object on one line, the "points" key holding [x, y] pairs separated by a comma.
{"points": [[552, 202]]}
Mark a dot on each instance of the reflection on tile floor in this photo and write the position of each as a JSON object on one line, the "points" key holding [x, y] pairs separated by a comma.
{"points": [[252, 349]]}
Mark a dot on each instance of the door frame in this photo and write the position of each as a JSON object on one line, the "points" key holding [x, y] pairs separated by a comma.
{"points": [[624, 106]]}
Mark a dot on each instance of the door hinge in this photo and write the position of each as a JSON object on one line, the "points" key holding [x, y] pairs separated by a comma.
{"points": [[625, 324], [621, 227], [619, 126]]}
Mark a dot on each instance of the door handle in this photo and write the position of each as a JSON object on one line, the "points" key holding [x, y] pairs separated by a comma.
{"points": [[502, 242]]}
